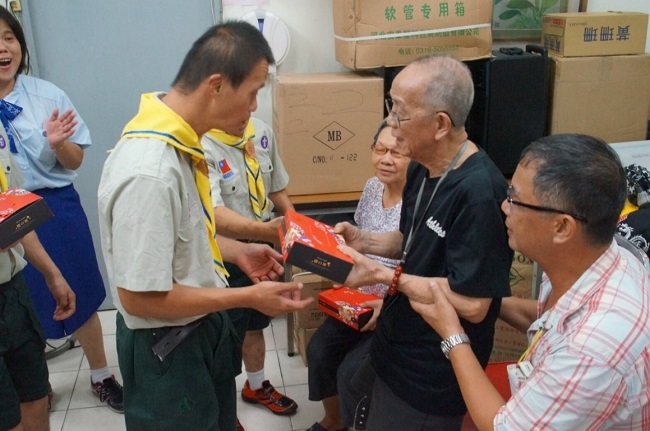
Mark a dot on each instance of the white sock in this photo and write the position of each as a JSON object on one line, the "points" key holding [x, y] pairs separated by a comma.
{"points": [[100, 374], [255, 379]]}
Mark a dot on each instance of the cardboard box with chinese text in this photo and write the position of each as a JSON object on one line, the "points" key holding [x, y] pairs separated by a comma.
{"points": [[606, 97], [587, 34], [342, 303], [376, 33], [313, 246], [20, 213], [324, 124]]}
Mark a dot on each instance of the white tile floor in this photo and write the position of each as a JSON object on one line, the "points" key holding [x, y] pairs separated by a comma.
{"points": [[75, 409]]}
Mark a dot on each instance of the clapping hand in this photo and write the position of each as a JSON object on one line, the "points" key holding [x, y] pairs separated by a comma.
{"points": [[59, 128]]}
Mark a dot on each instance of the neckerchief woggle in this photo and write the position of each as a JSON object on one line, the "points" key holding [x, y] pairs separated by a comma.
{"points": [[256, 192], [157, 121], [9, 111]]}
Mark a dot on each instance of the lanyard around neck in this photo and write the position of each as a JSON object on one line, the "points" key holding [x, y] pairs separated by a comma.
{"points": [[414, 227]]}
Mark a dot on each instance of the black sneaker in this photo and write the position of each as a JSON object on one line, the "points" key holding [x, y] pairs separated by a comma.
{"points": [[110, 392]]}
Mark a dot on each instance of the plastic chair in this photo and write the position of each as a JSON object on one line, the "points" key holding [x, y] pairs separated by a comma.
{"points": [[498, 375]]}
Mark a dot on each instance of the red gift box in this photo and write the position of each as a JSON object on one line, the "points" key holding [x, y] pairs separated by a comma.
{"points": [[312, 246], [20, 213], [342, 303]]}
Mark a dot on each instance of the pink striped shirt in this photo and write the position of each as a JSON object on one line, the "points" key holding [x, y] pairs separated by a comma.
{"points": [[592, 365]]}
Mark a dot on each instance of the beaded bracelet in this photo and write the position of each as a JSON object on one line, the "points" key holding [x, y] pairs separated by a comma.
{"points": [[392, 290]]}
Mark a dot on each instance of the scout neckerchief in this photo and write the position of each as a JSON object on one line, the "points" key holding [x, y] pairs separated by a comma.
{"points": [[155, 120], [256, 191], [9, 111]]}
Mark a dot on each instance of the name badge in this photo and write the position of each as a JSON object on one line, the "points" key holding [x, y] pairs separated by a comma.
{"points": [[518, 374]]}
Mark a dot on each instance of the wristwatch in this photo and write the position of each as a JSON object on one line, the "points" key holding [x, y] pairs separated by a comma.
{"points": [[449, 343]]}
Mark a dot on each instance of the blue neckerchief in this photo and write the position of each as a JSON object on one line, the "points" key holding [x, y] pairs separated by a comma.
{"points": [[9, 111]]}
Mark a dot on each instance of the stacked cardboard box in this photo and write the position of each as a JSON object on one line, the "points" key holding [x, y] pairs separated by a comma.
{"points": [[594, 88], [376, 33], [594, 33], [307, 321], [509, 343], [324, 124]]}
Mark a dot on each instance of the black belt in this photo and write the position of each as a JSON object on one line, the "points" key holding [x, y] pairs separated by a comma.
{"points": [[174, 337]]}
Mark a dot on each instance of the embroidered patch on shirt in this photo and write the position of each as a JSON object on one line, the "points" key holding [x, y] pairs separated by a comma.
{"points": [[226, 172], [265, 142]]}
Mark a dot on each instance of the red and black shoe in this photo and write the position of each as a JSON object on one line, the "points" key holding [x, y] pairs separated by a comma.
{"points": [[270, 398]]}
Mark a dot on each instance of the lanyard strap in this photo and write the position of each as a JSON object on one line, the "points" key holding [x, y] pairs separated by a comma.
{"points": [[392, 290], [414, 227]]}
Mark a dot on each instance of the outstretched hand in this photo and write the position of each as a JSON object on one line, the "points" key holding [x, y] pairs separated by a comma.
{"points": [[260, 263], [365, 271], [351, 235], [276, 298], [59, 127], [376, 305]]}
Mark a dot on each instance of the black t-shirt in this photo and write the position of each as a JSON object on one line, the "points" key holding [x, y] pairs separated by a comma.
{"points": [[463, 238]]}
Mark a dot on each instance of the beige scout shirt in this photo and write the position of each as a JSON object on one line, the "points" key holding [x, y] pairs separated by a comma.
{"points": [[151, 221], [228, 180], [11, 261]]}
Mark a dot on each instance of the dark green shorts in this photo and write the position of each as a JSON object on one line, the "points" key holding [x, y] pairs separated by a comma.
{"points": [[244, 319], [193, 388], [23, 370]]}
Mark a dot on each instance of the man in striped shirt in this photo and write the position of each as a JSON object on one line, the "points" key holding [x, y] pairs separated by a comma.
{"points": [[588, 363]]}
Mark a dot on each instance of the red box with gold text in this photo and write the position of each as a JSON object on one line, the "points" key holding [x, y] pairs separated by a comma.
{"points": [[312, 246], [342, 303], [20, 213]]}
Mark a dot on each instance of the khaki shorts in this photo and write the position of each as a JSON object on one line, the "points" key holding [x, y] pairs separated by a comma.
{"points": [[23, 370]]}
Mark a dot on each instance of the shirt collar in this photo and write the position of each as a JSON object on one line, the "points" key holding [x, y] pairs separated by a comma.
{"points": [[589, 283]]}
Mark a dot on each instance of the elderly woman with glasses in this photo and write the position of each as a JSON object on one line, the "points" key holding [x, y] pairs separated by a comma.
{"points": [[336, 350]]}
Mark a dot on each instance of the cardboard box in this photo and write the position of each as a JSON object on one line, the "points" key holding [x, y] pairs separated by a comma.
{"points": [[606, 97], [587, 34], [313, 285], [342, 303], [302, 337], [510, 343], [312, 246], [376, 33], [309, 318], [20, 213], [324, 124]]}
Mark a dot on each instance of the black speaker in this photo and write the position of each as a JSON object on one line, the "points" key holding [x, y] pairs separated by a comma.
{"points": [[389, 75], [510, 103]]}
